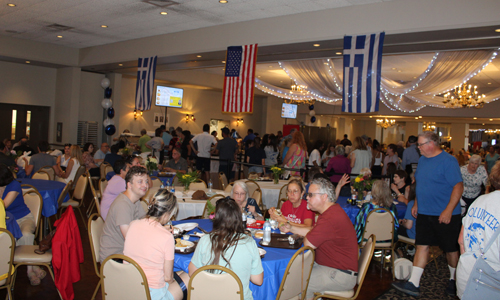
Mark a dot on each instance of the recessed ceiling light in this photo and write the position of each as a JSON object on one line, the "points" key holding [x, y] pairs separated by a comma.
{"points": [[371, 117], [483, 123], [496, 30], [416, 118], [394, 68], [475, 118], [59, 36], [121, 65], [399, 71], [198, 55], [28, 62], [415, 77], [281, 80], [164, 13], [491, 119], [325, 63], [222, 69], [11, 4], [223, 1], [420, 117], [338, 53], [489, 82], [223, 61], [354, 119], [104, 26], [316, 45], [258, 76]]}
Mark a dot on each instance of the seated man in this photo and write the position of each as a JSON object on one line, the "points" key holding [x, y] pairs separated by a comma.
{"points": [[41, 159], [116, 186], [336, 264], [5, 157], [125, 209], [101, 153], [112, 157], [177, 163]]}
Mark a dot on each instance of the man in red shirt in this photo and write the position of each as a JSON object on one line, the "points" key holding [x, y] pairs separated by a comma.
{"points": [[336, 264]]}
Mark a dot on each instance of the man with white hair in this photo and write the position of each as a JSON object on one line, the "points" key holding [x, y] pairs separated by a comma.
{"points": [[334, 239], [439, 188]]}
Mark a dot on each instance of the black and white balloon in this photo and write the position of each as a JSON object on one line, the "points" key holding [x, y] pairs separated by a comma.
{"points": [[312, 113], [106, 103], [111, 112], [105, 83], [107, 92], [110, 129], [108, 122], [313, 119]]}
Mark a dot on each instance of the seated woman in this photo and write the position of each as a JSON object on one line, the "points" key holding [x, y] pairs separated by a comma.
{"points": [[401, 190], [74, 164], [381, 198], [88, 159], [229, 245], [247, 205], [152, 246], [295, 209], [12, 196], [63, 160]]}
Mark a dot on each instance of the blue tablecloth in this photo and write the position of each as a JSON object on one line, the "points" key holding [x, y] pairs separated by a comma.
{"points": [[50, 191], [352, 210], [274, 263], [21, 173], [12, 225]]}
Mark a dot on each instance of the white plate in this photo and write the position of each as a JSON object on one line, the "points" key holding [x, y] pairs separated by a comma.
{"points": [[262, 252], [191, 244], [187, 226], [259, 234]]}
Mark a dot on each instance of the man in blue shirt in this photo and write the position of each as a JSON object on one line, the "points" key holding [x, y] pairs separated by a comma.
{"points": [[437, 209], [250, 136]]}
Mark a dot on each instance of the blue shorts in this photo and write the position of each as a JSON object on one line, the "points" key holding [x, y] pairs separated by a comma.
{"points": [[161, 293]]}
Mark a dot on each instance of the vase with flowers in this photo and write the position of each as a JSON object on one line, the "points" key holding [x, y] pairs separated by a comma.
{"points": [[187, 179], [151, 165], [362, 184], [277, 171]]}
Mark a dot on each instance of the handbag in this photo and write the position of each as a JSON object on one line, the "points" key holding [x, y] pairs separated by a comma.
{"points": [[45, 243], [483, 279]]}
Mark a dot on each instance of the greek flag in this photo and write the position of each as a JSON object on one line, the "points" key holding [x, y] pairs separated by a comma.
{"points": [[362, 72], [144, 87]]}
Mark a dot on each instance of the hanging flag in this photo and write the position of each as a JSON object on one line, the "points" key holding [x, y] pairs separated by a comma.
{"points": [[237, 95], [144, 87], [362, 72]]}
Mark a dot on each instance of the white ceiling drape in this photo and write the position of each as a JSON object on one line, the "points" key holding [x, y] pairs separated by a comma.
{"points": [[445, 71]]}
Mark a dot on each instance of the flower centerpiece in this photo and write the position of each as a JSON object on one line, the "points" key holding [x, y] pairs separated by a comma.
{"points": [[210, 209], [187, 179], [151, 164], [277, 171], [362, 183]]}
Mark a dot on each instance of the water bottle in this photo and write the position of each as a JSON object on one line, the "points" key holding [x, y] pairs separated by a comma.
{"points": [[244, 218], [162, 185], [210, 186], [172, 189], [267, 232], [353, 197]]}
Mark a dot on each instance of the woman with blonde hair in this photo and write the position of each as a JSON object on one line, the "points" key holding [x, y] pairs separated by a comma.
{"points": [[381, 198], [360, 157], [296, 156], [74, 163]]}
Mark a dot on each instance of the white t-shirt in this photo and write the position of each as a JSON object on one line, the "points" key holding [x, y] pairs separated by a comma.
{"points": [[481, 221], [205, 141], [315, 156]]}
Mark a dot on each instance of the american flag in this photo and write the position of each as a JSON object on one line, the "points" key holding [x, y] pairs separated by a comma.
{"points": [[144, 87], [362, 72], [237, 96]]}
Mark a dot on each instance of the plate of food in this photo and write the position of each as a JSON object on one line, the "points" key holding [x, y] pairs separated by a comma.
{"points": [[259, 234], [182, 246], [186, 226]]}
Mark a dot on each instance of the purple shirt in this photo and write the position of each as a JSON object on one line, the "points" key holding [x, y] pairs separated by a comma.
{"points": [[338, 164], [116, 186]]}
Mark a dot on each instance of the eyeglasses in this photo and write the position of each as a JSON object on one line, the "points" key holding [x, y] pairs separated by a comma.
{"points": [[310, 195], [420, 145], [293, 192], [239, 194]]}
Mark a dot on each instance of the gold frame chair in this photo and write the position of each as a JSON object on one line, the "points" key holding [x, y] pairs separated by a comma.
{"points": [[288, 290], [7, 241], [96, 227], [212, 200], [210, 279]]}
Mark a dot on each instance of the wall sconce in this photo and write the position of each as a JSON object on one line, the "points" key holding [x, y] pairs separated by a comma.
{"points": [[239, 121], [188, 118], [135, 114]]}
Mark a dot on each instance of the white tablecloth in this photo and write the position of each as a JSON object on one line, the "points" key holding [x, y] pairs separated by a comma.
{"points": [[271, 192], [214, 165], [187, 206]]}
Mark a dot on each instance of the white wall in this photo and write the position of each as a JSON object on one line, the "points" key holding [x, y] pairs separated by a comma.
{"points": [[90, 97]]}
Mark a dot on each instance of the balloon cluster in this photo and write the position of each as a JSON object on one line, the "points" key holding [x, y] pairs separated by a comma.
{"points": [[312, 113], [107, 104]]}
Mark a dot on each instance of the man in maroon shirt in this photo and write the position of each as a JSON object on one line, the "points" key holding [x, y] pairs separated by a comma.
{"points": [[336, 264]]}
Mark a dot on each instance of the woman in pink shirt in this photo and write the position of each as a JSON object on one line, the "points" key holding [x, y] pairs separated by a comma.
{"points": [[152, 246]]}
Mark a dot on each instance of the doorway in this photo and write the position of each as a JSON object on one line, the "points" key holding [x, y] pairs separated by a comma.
{"points": [[17, 121]]}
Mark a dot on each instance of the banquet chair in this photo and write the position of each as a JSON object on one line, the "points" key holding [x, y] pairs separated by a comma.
{"points": [[41, 174], [297, 275], [176, 182], [363, 264], [252, 187], [102, 169], [7, 247], [223, 180], [209, 286], [50, 170], [28, 187], [380, 223], [433, 250], [257, 195], [76, 200], [229, 187], [198, 185], [96, 226], [34, 201], [280, 203], [123, 281], [81, 170], [212, 200], [103, 183], [95, 199], [283, 192], [156, 181]]}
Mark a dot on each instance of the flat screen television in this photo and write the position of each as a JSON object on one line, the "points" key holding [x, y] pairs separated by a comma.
{"points": [[168, 96], [289, 111]]}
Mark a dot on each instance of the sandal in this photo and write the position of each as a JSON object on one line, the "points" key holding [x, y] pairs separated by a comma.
{"points": [[34, 280], [39, 272]]}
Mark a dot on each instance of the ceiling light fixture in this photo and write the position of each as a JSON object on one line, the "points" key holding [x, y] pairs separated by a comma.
{"points": [[464, 96], [11, 4], [491, 119], [475, 118], [28, 62], [164, 13], [59, 36], [121, 65], [198, 56], [429, 126], [394, 68], [316, 45], [223, 1], [386, 123], [496, 30], [104, 26], [338, 53], [223, 61]]}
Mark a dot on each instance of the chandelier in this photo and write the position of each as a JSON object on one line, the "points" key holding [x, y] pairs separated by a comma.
{"points": [[464, 96], [386, 123], [298, 102], [429, 126]]}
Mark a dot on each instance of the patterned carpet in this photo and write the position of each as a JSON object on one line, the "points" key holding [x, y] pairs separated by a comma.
{"points": [[432, 284]]}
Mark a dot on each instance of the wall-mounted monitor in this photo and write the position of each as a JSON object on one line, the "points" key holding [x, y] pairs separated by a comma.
{"points": [[289, 111], [168, 96]]}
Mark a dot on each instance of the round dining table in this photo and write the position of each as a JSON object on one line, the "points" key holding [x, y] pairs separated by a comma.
{"points": [[270, 191], [352, 210], [274, 263], [50, 191], [12, 225]]}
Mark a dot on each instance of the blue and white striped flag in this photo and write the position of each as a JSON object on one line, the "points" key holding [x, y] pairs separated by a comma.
{"points": [[362, 72], [144, 87]]}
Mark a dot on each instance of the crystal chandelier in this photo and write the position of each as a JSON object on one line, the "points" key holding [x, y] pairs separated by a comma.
{"points": [[386, 123], [299, 90], [464, 96], [429, 126]]}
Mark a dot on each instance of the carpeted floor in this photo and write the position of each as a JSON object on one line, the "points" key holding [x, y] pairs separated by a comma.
{"points": [[432, 284]]}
